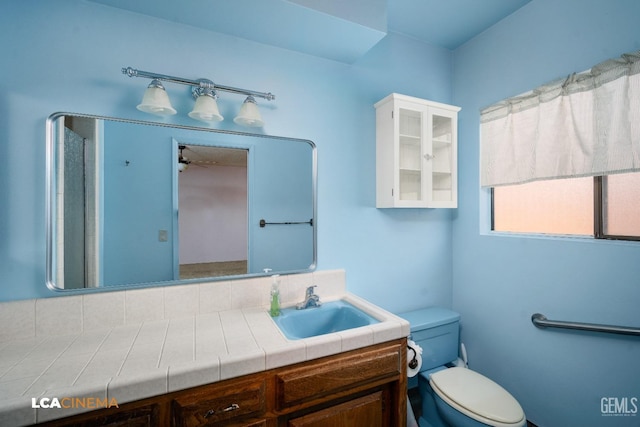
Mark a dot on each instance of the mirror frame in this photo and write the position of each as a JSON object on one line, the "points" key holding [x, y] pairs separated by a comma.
{"points": [[50, 204]]}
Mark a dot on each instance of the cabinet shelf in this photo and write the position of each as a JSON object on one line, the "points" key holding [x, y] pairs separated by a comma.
{"points": [[413, 137], [416, 153], [441, 142]]}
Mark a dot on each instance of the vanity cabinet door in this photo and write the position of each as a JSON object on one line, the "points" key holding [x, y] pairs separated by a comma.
{"points": [[367, 411], [224, 405], [337, 376]]}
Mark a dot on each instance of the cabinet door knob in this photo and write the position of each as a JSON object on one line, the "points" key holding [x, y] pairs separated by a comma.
{"points": [[429, 156], [211, 412]]}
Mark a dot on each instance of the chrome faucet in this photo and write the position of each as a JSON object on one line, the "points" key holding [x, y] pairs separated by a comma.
{"points": [[310, 299]]}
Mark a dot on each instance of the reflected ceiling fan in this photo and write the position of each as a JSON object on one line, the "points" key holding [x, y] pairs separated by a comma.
{"points": [[206, 156], [183, 162]]}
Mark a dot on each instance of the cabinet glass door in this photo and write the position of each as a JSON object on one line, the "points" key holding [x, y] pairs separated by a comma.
{"points": [[441, 158], [410, 156]]}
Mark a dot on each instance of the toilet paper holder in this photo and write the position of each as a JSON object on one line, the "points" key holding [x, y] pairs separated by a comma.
{"points": [[413, 363]]}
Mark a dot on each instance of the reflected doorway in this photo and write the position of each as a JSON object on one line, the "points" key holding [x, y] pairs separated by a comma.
{"points": [[212, 211]]}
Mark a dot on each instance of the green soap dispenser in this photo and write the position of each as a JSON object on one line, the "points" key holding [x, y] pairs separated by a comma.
{"points": [[274, 310]]}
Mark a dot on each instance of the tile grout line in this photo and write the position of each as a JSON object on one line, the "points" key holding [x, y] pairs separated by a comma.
{"points": [[91, 358], [164, 342], [49, 365], [129, 350]]}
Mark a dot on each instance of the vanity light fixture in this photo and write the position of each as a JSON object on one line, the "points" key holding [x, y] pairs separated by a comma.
{"points": [[156, 101], [249, 114], [206, 107]]}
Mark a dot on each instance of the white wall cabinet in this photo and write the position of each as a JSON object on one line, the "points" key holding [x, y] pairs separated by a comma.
{"points": [[416, 153]]}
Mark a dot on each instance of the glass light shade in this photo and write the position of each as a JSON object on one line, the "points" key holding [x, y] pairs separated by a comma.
{"points": [[249, 114], [206, 109], [182, 166], [156, 101]]}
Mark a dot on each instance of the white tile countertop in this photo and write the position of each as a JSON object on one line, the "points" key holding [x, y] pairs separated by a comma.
{"points": [[143, 359]]}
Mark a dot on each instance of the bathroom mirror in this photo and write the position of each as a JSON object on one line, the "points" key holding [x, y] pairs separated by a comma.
{"points": [[135, 203]]}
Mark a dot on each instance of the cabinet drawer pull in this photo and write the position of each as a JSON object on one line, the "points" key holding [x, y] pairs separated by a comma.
{"points": [[233, 407]]}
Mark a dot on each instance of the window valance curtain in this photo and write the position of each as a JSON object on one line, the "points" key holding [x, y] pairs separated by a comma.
{"points": [[585, 125]]}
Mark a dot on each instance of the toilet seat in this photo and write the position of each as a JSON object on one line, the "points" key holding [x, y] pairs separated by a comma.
{"points": [[477, 397]]}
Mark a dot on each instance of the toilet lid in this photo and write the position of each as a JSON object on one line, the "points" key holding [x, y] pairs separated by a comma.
{"points": [[477, 397]]}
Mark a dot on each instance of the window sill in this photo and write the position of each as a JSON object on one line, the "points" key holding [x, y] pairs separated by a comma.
{"points": [[560, 238]]}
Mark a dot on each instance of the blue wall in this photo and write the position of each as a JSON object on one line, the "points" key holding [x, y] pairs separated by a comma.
{"points": [[278, 194], [499, 282], [138, 202], [67, 55]]}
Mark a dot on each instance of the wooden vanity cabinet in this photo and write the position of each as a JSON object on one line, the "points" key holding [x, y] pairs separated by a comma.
{"points": [[361, 388]]}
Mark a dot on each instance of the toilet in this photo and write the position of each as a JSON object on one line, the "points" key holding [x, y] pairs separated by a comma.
{"points": [[454, 396]]}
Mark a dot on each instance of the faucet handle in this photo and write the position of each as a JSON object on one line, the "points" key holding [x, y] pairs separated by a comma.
{"points": [[310, 291]]}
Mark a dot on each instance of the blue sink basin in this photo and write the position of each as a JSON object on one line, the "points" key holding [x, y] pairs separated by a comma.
{"points": [[330, 317]]}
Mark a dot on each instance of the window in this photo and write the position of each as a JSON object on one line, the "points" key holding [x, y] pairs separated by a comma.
{"points": [[603, 207], [564, 158], [621, 205]]}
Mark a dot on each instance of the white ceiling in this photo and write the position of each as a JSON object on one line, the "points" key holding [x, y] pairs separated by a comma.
{"points": [[341, 30]]}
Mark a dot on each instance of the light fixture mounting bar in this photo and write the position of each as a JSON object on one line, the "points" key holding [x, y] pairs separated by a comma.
{"points": [[204, 84]]}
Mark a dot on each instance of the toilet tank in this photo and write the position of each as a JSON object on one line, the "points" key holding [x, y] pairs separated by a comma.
{"points": [[436, 330]]}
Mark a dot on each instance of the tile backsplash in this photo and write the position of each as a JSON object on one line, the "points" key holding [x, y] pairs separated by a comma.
{"points": [[72, 314]]}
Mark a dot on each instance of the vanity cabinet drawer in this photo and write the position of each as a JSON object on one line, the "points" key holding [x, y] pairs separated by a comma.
{"points": [[215, 405], [336, 375], [128, 415]]}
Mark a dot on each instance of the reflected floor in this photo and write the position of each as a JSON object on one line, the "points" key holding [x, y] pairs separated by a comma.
{"points": [[213, 269]]}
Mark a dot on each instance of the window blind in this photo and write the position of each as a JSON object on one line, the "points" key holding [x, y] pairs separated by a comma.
{"points": [[585, 125]]}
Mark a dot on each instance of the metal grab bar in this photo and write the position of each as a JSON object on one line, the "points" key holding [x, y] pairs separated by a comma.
{"points": [[264, 223], [540, 321]]}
